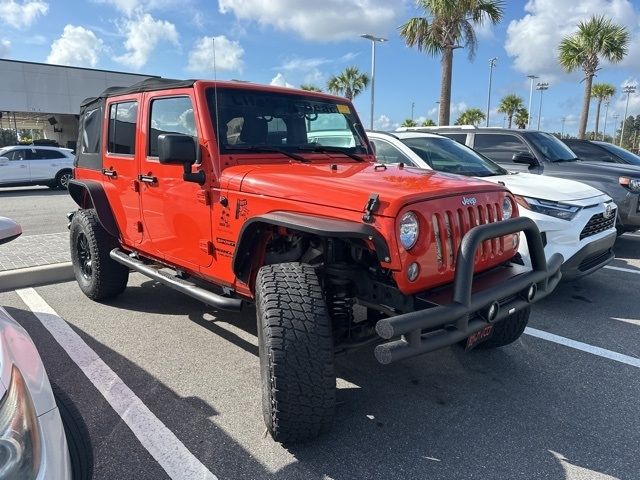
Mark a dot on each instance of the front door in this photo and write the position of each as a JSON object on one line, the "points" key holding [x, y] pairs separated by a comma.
{"points": [[120, 167], [16, 169], [176, 214]]}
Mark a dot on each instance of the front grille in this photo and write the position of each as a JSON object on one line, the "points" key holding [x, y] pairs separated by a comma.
{"points": [[594, 260], [451, 225], [598, 224]]}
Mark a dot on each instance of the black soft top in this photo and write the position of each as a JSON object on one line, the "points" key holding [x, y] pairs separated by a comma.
{"points": [[148, 85]]}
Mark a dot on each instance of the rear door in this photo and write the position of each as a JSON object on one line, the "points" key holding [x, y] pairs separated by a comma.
{"points": [[17, 168], [176, 214], [44, 164], [120, 167]]}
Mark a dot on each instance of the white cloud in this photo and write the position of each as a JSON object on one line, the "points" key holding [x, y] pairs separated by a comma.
{"points": [[143, 33], [228, 55], [533, 40], [326, 20], [455, 110], [76, 46], [280, 81], [129, 7], [347, 57], [383, 122], [5, 47], [21, 14], [297, 63]]}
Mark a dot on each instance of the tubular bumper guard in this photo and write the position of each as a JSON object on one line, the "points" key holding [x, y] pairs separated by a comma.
{"points": [[449, 324]]}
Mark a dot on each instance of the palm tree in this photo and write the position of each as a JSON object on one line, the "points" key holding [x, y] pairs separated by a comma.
{"points": [[601, 92], [428, 123], [521, 118], [596, 38], [471, 116], [350, 83], [446, 26], [509, 105], [310, 88], [409, 122]]}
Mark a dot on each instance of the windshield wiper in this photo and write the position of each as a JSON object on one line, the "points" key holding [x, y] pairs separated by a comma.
{"points": [[326, 149], [259, 149]]}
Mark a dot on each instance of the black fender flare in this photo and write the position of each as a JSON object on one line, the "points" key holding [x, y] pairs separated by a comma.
{"points": [[313, 224], [81, 189]]}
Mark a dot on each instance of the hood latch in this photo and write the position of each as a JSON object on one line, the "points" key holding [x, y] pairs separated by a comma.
{"points": [[372, 205]]}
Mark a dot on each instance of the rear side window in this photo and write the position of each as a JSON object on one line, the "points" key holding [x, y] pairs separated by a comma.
{"points": [[589, 152], [498, 147], [122, 128], [458, 137], [170, 115], [42, 154], [90, 131]]}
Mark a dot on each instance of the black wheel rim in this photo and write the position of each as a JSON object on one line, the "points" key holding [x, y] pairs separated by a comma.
{"points": [[84, 256]]}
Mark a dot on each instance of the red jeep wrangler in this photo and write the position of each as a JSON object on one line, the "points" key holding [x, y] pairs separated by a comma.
{"points": [[233, 192]]}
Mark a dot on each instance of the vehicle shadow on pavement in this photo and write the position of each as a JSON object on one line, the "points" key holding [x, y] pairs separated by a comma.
{"points": [[519, 412], [628, 248]]}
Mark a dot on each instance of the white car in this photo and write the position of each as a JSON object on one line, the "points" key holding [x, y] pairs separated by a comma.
{"points": [[575, 220], [34, 422], [22, 165]]}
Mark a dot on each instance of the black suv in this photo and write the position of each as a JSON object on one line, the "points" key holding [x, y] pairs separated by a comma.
{"points": [[541, 153], [595, 151]]}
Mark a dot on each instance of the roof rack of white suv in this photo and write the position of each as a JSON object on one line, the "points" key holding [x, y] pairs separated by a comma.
{"points": [[452, 127]]}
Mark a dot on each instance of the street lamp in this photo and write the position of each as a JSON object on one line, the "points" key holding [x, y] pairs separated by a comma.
{"points": [[628, 89], [438, 103], [374, 40], [562, 132], [606, 112], [542, 87], [532, 78], [492, 63]]}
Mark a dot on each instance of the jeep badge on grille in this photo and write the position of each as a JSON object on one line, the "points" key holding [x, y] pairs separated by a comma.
{"points": [[469, 201]]}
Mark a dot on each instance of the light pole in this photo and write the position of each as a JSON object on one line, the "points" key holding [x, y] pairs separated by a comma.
{"points": [[413, 106], [492, 63], [438, 103], [628, 89], [531, 78], [562, 132], [542, 87], [615, 117], [374, 40], [606, 112]]}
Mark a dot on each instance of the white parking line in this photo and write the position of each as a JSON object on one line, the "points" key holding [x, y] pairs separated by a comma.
{"points": [[162, 444], [585, 347], [620, 269]]}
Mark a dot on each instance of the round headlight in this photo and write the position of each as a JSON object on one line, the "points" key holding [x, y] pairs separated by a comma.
{"points": [[409, 229], [507, 208]]}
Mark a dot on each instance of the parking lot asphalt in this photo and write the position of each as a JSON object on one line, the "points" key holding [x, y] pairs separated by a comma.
{"points": [[39, 210], [170, 375]]}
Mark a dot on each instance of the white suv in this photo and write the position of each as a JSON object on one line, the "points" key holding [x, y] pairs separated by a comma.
{"points": [[575, 220], [34, 165]]}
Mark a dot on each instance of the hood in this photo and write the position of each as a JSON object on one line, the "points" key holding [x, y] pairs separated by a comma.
{"points": [[349, 186], [546, 188], [603, 168]]}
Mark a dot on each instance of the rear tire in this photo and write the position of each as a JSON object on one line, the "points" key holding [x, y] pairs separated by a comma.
{"points": [[62, 179], [77, 434], [508, 330], [98, 276], [296, 352]]}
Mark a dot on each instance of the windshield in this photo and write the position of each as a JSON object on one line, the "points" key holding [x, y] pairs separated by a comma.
{"points": [[251, 120], [446, 155], [626, 155], [552, 148]]}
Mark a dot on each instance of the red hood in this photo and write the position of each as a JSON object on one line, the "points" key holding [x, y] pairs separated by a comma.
{"points": [[350, 185]]}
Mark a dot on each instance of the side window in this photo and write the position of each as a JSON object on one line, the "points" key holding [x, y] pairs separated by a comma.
{"points": [[42, 154], [590, 153], [499, 147], [18, 154], [170, 115], [458, 137], [122, 128], [387, 153], [92, 122], [11, 155]]}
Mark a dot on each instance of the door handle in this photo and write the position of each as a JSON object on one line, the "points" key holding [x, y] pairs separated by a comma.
{"points": [[23, 166], [147, 179], [109, 173]]}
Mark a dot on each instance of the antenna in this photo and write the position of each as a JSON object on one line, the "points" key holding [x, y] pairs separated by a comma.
{"points": [[215, 97]]}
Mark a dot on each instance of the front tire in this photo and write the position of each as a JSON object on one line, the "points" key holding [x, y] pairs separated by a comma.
{"points": [[98, 276], [296, 352], [508, 330]]}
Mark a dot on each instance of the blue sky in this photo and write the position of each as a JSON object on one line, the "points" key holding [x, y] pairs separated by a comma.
{"points": [[296, 41]]}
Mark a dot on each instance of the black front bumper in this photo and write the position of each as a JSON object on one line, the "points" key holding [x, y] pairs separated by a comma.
{"points": [[445, 324], [589, 258]]}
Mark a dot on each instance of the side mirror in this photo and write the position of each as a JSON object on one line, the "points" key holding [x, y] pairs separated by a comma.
{"points": [[176, 148], [9, 229], [525, 158], [4, 161]]}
